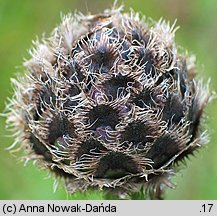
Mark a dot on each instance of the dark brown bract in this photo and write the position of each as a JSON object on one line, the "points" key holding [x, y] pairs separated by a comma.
{"points": [[108, 101]]}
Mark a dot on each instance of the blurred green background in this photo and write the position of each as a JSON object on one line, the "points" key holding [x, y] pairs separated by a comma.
{"points": [[22, 21]]}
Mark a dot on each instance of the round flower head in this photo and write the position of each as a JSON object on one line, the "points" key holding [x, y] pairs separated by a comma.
{"points": [[107, 101]]}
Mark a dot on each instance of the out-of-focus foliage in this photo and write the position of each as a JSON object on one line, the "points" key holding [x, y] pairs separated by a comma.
{"points": [[22, 21]]}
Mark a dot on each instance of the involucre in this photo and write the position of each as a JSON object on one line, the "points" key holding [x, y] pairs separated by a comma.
{"points": [[108, 101]]}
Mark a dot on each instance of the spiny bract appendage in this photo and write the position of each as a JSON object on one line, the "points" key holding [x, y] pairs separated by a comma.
{"points": [[107, 101]]}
